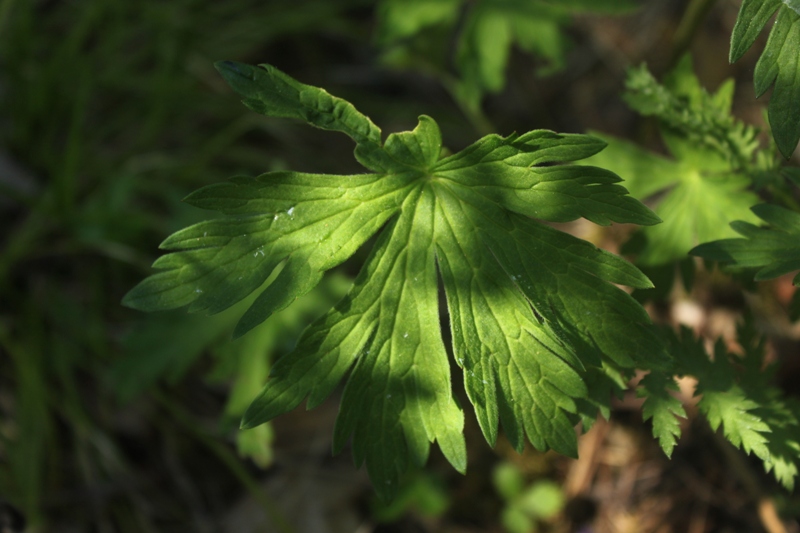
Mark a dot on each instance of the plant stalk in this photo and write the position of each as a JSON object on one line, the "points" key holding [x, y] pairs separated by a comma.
{"points": [[690, 22]]}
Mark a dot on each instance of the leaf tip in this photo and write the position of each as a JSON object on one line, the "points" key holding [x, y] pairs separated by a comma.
{"points": [[134, 299], [250, 419], [387, 491], [657, 219], [647, 283], [253, 415], [239, 331], [129, 300], [240, 76], [228, 67]]}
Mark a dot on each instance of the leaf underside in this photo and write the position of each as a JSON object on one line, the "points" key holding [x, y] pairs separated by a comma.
{"points": [[532, 310]]}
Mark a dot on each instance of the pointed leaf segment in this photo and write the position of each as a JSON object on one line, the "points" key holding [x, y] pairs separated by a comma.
{"points": [[662, 408], [532, 310], [736, 396], [779, 64], [772, 251]]}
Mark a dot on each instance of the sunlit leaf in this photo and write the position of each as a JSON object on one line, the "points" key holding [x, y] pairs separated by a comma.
{"points": [[532, 309]]}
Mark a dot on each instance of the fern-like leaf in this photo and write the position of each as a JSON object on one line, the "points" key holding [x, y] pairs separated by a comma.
{"points": [[736, 397], [663, 408]]}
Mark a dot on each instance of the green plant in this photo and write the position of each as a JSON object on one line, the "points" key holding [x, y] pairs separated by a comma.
{"points": [[708, 184], [538, 326], [701, 196], [513, 285], [735, 394]]}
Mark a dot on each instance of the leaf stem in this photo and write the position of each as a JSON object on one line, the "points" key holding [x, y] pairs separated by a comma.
{"points": [[687, 28]]}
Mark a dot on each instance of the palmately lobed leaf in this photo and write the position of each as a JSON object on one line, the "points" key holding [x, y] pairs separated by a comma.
{"points": [[705, 185], [697, 194], [533, 311]]}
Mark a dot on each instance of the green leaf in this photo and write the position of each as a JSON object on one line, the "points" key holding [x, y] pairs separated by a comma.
{"points": [[268, 91], [705, 187], [725, 403], [532, 310], [662, 407], [487, 33], [400, 19], [737, 396], [698, 194], [484, 49], [779, 64], [494, 26], [732, 410], [773, 250], [753, 16]]}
